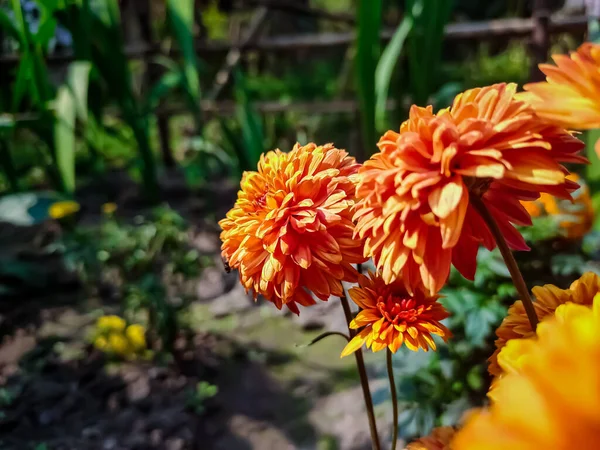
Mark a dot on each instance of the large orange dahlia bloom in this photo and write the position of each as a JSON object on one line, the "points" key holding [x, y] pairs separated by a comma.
{"points": [[570, 96], [391, 316], [291, 231], [547, 298], [552, 398], [575, 218], [439, 439], [414, 209]]}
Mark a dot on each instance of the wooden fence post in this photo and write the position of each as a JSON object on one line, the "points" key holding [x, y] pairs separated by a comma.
{"points": [[540, 38]]}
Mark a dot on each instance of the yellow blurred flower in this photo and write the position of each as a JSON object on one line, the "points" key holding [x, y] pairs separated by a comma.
{"points": [[547, 298], [109, 208], [113, 336], [570, 96], [110, 323], [136, 335], [575, 218], [438, 439], [551, 398], [62, 209], [100, 343], [119, 345]]}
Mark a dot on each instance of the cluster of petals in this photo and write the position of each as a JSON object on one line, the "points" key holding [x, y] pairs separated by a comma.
{"points": [[570, 96], [574, 218], [290, 232], [414, 209], [549, 396], [439, 439], [390, 315], [548, 298]]}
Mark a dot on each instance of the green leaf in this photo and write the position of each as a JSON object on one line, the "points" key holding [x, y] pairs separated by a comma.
{"points": [[163, 86], [250, 122], [7, 25], [385, 69], [365, 63], [425, 45], [181, 15], [78, 81], [593, 169], [64, 138]]}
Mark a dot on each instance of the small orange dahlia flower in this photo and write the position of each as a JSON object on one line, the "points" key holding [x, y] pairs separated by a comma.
{"points": [[290, 231], [551, 399], [570, 96], [439, 439], [575, 218], [414, 208], [391, 316], [547, 298]]}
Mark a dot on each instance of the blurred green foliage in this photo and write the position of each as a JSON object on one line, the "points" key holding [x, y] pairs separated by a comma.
{"points": [[140, 260]]}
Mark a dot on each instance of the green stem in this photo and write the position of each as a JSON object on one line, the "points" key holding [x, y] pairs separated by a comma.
{"points": [[509, 259], [364, 380], [390, 371], [9, 166], [327, 334]]}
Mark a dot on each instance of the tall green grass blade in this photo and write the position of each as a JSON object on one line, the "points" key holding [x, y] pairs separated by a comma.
{"points": [[181, 16], [425, 45], [367, 54], [7, 25], [250, 123], [71, 102], [385, 69], [167, 82], [7, 126], [64, 138]]}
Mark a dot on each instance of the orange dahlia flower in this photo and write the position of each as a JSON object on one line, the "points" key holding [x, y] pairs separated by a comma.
{"points": [[570, 96], [439, 439], [291, 231], [391, 316], [551, 401], [547, 298], [575, 218], [414, 208]]}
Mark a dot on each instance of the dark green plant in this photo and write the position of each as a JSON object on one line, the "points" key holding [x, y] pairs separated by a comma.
{"points": [[142, 259], [197, 398]]}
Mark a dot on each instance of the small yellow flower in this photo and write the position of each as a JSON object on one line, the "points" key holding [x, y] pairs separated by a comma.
{"points": [[119, 345], [110, 323], [109, 208], [101, 343], [136, 335], [62, 209]]}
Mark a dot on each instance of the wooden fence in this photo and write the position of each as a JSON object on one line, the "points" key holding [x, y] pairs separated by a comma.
{"points": [[538, 29]]}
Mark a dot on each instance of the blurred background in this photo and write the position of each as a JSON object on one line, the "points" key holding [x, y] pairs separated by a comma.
{"points": [[125, 127]]}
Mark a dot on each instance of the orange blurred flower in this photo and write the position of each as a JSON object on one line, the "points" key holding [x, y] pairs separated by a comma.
{"points": [[551, 399], [575, 218], [290, 231], [547, 298], [570, 96], [392, 316], [439, 439], [414, 209]]}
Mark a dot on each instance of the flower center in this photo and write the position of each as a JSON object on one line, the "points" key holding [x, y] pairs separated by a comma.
{"points": [[397, 309], [478, 186], [262, 200]]}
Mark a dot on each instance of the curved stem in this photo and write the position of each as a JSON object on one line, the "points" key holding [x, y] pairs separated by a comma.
{"points": [[364, 380], [509, 259], [327, 334], [390, 371]]}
